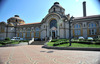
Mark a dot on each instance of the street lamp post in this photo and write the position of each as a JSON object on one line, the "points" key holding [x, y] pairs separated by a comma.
{"points": [[46, 30], [7, 30], [69, 19], [16, 28], [46, 33]]}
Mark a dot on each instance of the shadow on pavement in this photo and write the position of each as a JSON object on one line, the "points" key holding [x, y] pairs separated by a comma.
{"points": [[42, 51], [47, 51], [50, 51]]}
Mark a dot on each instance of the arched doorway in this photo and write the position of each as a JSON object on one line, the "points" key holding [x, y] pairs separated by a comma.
{"points": [[53, 28]]}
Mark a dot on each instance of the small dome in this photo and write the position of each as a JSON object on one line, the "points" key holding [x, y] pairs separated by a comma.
{"points": [[3, 23], [57, 8], [56, 3]]}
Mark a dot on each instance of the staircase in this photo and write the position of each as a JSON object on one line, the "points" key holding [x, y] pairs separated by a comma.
{"points": [[38, 43]]}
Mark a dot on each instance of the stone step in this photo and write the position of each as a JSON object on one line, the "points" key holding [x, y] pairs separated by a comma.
{"points": [[38, 43]]}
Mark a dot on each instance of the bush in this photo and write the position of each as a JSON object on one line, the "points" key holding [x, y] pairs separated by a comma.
{"points": [[54, 40], [7, 39], [81, 39], [97, 42], [23, 40]]}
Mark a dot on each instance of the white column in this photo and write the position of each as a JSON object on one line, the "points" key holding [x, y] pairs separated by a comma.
{"points": [[58, 33], [51, 33], [55, 33], [47, 31]]}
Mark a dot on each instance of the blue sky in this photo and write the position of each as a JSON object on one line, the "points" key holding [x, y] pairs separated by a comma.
{"points": [[35, 10]]}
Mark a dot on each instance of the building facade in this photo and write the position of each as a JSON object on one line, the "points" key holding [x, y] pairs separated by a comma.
{"points": [[53, 25]]}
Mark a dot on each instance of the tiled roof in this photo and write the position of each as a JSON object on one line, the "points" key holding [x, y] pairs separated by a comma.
{"points": [[30, 23], [87, 17]]}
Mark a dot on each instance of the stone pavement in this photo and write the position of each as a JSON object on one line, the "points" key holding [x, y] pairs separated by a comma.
{"points": [[34, 54]]}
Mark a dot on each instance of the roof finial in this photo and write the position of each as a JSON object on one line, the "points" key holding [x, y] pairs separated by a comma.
{"points": [[56, 3], [16, 15]]}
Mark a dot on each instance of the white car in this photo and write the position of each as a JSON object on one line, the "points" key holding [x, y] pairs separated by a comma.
{"points": [[21, 38], [81, 37], [90, 38], [17, 38]]}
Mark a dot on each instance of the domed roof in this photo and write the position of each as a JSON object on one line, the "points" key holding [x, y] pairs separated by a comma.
{"points": [[16, 17], [3, 23], [10, 24]]}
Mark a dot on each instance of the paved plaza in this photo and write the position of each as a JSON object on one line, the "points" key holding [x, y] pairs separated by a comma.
{"points": [[34, 54]]}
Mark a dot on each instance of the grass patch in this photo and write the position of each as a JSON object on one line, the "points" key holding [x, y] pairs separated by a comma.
{"points": [[80, 45], [16, 42], [65, 43], [0, 44], [50, 43], [11, 42]]}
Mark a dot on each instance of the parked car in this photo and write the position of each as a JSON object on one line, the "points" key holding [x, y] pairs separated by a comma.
{"points": [[17, 38], [90, 38], [81, 37], [21, 39]]}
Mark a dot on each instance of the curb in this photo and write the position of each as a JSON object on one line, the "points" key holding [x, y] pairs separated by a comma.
{"points": [[71, 48]]}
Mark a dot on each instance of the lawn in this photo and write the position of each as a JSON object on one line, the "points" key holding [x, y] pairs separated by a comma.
{"points": [[65, 43], [4, 42], [80, 45], [0, 44]]}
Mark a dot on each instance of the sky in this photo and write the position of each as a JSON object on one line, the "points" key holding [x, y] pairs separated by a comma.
{"points": [[35, 10]]}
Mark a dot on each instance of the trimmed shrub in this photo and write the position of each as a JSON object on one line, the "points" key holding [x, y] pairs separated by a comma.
{"points": [[24, 41], [97, 42], [7, 39], [54, 40]]}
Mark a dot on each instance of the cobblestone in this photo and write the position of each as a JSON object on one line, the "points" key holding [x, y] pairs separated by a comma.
{"points": [[34, 54]]}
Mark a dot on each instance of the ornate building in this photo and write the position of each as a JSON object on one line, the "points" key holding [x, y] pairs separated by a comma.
{"points": [[53, 25]]}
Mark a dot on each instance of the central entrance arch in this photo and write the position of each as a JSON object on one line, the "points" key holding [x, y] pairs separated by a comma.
{"points": [[53, 28], [53, 23]]}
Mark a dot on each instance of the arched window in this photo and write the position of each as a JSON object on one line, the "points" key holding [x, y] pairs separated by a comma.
{"points": [[77, 29], [92, 29], [2, 29], [24, 29], [77, 26], [37, 32], [54, 9], [28, 32], [21, 34], [20, 29], [37, 29], [92, 25], [53, 23], [28, 29], [32, 28]]}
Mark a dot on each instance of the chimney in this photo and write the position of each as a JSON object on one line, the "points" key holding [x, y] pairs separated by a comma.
{"points": [[84, 9]]}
